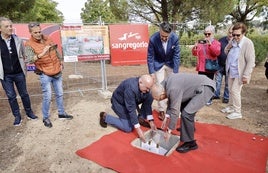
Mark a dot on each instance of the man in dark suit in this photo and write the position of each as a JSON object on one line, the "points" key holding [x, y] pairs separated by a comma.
{"points": [[163, 57], [126, 99]]}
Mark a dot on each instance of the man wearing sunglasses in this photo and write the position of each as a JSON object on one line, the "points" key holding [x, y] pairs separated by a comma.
{"points": [[41, 51], [13, 70], [239, 66], [208, 48]]}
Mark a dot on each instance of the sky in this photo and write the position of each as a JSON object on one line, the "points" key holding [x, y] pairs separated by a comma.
{"points": [[71, 10]]}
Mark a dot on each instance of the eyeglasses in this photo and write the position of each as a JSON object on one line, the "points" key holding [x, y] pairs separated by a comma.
{"points": [[236, 35], [207, 34], [31, 25]]}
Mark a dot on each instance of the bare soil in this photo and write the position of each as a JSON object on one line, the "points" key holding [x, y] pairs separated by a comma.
{"points": [[33, 148]]}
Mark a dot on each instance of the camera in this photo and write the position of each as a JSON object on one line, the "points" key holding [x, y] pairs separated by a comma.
{"points": [[202, 41], [52, 47]]}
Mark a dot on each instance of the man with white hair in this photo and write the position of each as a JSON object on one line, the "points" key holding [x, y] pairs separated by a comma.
{"points": [[208, 48], [13, 70], [186, 93], [126, 99]]}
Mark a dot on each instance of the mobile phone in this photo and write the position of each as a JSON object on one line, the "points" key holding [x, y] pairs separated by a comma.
{"points": [[53, 46], [202, 41]]}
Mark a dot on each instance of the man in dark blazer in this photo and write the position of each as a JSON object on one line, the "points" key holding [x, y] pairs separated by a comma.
{"points": [[163, 57]]}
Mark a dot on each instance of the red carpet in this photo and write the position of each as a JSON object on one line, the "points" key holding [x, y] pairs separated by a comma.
{"points": [[221, 150]]}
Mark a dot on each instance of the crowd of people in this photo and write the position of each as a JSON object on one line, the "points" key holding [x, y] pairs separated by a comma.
{"points": [[179, 95]]}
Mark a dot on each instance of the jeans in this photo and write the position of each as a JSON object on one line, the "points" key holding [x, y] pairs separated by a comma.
{"points": [[20, 82], [46, 82], [120, 123], [218, 78]]}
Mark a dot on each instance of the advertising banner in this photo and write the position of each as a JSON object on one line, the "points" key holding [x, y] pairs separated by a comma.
{"points": [[129, 44], [85, 43]]}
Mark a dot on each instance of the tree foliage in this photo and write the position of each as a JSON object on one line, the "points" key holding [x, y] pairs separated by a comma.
{"points": [[155, 11], [31, 10], [14, 9], [109, 11], [246, 10]]}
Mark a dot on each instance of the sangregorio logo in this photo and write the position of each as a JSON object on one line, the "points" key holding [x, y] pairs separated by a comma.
{"points": [[125, 44]]}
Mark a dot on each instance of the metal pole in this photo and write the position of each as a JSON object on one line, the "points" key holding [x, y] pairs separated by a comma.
{"points": [[103, 68]]}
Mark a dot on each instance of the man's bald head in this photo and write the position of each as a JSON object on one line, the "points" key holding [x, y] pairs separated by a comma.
{"points": [[145, 83], [158, 92]]}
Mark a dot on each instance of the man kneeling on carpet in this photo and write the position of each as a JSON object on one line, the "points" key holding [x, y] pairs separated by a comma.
{"points": [[126, 99], [186, 93]]}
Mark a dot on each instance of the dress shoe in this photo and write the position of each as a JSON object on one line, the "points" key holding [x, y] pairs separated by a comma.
{"points": [[143, 122], [17, 121], [32, 117], [187, 146], [215, 97], [225, 101], [66, 116], [47, 123], [102, 120], [161, 115]]}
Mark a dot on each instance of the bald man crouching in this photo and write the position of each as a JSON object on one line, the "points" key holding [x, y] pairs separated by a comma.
{"points": [[131, 96], [186, 93]]}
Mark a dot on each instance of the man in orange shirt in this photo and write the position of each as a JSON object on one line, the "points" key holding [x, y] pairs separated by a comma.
{"points": [[43, 53]]}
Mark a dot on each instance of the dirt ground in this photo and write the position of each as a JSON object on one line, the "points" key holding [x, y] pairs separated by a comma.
{"points": [[33, 148]]}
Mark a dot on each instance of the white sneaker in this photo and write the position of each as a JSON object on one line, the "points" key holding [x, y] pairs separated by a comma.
{"points": [[234, 115], [227, 110]]}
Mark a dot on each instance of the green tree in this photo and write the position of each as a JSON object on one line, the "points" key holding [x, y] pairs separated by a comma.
{"points": [[44, 11], [246, 10], [110, 11], [31, 10], [14, 9], [155, 11]]}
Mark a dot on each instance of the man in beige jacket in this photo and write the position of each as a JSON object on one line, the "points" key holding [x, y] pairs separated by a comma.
{"points": [[239, 66]]}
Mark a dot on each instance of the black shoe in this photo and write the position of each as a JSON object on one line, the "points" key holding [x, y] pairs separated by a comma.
{"points": [[143, 122], [102, 120], [17, 121], [66, 116], [32, 117], [215, 98], [225, 101], [47, 123], [187, 146]]}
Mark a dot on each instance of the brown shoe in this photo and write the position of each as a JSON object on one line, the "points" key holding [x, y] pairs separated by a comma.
{"points": [[143, 122], [102, 120], [161, 115]]}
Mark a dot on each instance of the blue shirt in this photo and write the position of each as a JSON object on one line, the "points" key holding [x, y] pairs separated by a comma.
{"points": [[232, 59]]}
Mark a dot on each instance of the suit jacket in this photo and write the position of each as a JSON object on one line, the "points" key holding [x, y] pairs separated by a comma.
{"points": [[127, 97], [157, 57], [182, 87], [246, 59]]}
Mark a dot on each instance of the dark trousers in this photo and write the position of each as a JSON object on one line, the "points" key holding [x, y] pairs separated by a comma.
{"points": [[20, 83], [188, 111]]}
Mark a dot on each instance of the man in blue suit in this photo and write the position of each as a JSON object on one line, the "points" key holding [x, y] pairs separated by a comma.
{"points": [[163, 57]]}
